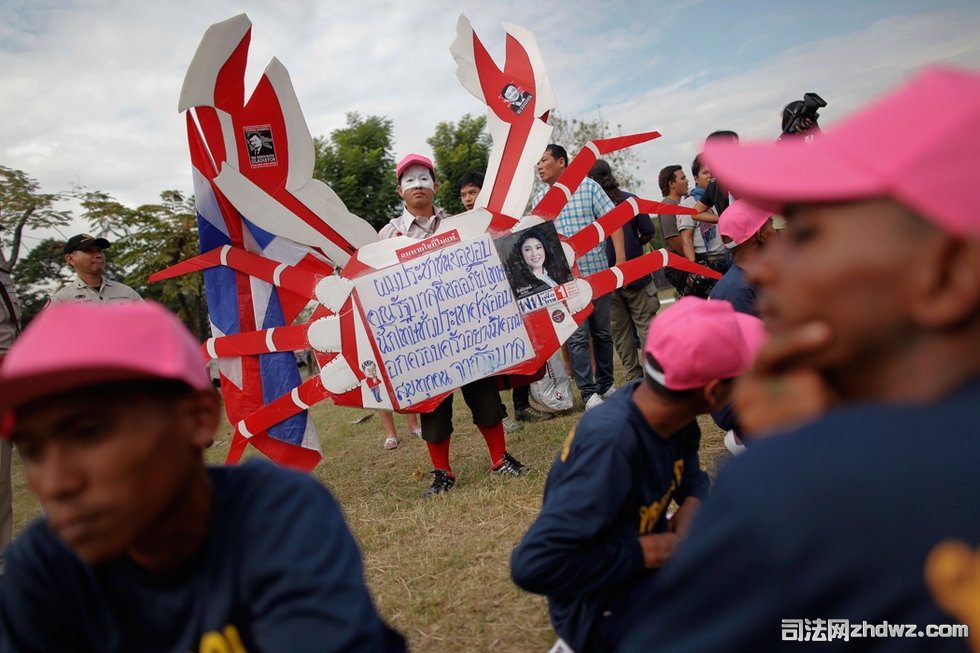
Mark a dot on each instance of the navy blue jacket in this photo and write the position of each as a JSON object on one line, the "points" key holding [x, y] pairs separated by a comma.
{"points": [[832, 521], [611, 483], [279, 572], [733, 288]]}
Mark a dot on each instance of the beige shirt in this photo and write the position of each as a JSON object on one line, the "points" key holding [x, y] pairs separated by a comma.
{"points": [[109, 291], [414, 227]]}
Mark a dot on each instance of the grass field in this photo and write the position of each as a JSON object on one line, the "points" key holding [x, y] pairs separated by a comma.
{"points": [[439, 568]]}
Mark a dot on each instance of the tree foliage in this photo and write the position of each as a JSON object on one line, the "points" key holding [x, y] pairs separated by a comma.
{"points": [[22, 207], [573, 134], [38, 274], [358, 164], [458, 148]]}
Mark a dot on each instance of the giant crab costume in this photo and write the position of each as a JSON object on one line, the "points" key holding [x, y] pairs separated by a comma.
{"points": [[399, 323]]}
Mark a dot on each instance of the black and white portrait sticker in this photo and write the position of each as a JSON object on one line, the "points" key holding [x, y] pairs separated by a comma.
{"points": [[261, 146]]}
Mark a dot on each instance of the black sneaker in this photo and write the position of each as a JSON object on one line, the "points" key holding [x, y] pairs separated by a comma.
{"points": [[532, 414], [510, 466], [441, 484]]}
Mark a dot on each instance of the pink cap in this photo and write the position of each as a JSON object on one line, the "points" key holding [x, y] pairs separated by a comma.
{"points": [[74, 345], [412, 159], [905, 146], [696, 341], [740, 221]]}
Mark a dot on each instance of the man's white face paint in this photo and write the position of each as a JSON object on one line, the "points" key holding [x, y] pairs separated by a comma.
{"points": [[417, 176]]}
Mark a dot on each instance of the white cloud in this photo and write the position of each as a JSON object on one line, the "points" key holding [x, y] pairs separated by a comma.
{"points": [[89, 88]]}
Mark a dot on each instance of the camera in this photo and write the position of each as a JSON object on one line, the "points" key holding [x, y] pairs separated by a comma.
{"points": [[798, 111]]}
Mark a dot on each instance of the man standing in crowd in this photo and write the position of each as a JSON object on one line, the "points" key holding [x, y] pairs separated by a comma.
{"points": [[470, 185], [142, 547], [673, 184], [603, 526], [716, 197], [747, 230], [85, 255], [420, 219], [586, 205], [709, 248], [844, 518], [633, 306]]}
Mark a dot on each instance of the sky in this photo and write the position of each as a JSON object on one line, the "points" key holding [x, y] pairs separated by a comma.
{"points": [[89, 88]]}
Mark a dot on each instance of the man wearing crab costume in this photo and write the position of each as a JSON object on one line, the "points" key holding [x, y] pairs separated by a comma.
{"points": [[432, 315], [420, 218]]}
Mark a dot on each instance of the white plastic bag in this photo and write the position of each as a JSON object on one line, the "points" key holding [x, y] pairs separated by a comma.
{"points": [[554, 389]]}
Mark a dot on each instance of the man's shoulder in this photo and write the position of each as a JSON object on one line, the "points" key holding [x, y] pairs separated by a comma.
{"points": [[263, 478], [37, 557], [591, 188], [615, 422], [74, 290], [118, 289], [866, 447]]}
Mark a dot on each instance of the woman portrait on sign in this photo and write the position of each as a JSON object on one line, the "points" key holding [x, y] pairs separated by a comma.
{"points": [[534, 264]]}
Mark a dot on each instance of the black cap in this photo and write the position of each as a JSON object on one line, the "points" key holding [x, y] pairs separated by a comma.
{"points": [[81, 241]]}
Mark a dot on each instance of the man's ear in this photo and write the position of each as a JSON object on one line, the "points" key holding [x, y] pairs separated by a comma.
{"points": [[716, 394], [201, 411], [435, 188], [947, 282]]}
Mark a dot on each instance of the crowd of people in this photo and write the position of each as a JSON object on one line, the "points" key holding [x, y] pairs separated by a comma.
{"points": [[850, 374]]}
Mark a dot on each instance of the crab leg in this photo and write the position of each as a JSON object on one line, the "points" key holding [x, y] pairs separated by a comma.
{"points": [[278, 274], [618, 276], [561, 191], [594, 233]]}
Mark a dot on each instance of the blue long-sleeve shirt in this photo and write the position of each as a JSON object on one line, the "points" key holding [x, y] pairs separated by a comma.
{"points": [[833, 521], [611, 483], [280, 571]]}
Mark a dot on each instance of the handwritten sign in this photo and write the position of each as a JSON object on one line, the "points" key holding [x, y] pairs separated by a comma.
{"points": [[443, 319]]}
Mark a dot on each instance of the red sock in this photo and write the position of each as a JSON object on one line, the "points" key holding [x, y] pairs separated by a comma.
{"points": [[494, 435], [439, 453]]}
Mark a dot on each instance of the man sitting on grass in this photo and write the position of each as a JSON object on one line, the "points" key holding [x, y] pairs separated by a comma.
{"points": [[604, 527], [142, 547]]}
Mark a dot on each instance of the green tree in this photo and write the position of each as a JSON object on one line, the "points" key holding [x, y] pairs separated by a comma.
{"points": [[38, 274], [22, 207], [358, 164], [150, 238], [458, 148], [573, 134]]}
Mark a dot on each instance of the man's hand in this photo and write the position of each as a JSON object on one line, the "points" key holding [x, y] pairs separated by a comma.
{"points": [[782, 389], [681, 522], [657, 548]]}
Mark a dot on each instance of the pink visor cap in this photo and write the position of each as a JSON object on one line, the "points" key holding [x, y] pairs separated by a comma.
{"points": [[740, 221], [904, 146], [696, 341], [75, 345], [410, 160]]}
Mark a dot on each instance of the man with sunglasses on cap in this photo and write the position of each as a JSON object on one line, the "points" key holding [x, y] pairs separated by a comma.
{"points": [[142, 547], [85, 255], [843, 519], [603, 527]]}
